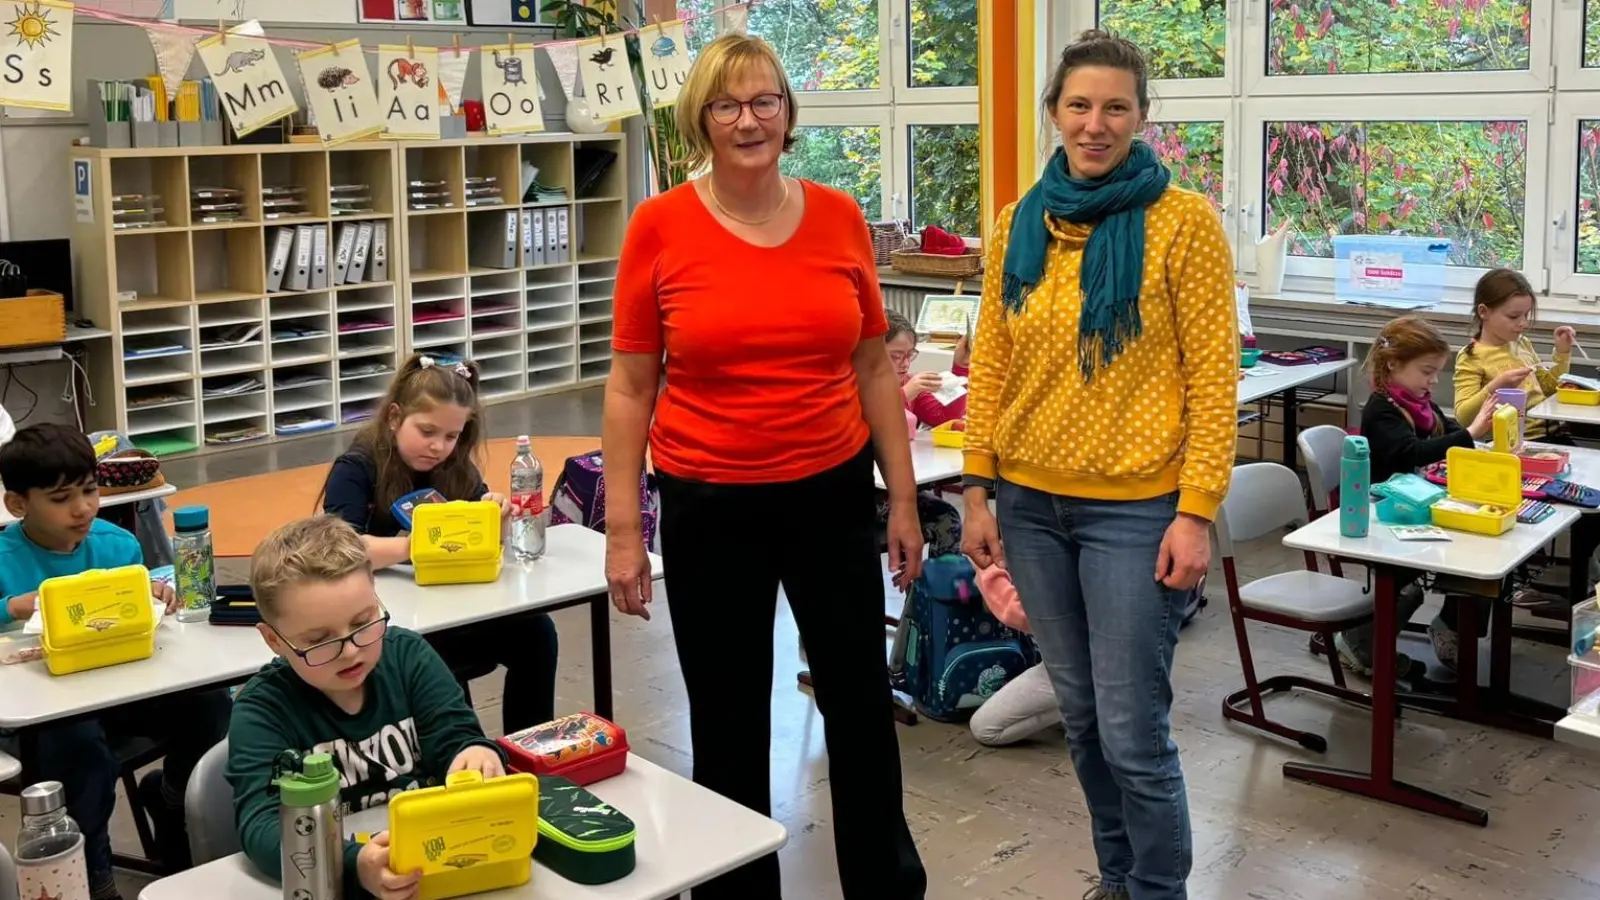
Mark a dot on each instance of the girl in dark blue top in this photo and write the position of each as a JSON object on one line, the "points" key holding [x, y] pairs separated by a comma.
{"points": [[426, 434]]}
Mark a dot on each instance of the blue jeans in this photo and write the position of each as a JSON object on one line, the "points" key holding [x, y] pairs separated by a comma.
{"points": [[1085, 571]]}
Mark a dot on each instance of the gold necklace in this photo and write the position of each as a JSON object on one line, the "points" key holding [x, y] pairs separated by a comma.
{"points": [[711, 188]]}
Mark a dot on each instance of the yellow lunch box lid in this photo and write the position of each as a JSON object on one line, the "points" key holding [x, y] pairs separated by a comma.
{"points": [[1507, 430], [468, 836], [458, 531], [1483, 476], [97, 606]]}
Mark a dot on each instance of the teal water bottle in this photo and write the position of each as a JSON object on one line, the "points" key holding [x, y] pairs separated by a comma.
{"points": [[1355, 485]]}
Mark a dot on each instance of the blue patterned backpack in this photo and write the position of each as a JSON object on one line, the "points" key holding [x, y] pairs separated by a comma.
{"points": [[950, 653]]}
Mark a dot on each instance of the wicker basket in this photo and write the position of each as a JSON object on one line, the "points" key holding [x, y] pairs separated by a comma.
{"points": [[888, 237], [914, 262]]}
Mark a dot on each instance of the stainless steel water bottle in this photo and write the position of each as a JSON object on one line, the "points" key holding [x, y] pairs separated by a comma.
{"points": [[311, 826]]}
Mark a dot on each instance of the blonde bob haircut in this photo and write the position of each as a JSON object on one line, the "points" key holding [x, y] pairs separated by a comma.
{"points": [[721, 63]]}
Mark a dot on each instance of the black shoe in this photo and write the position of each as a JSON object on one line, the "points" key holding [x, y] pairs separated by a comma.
{"points": [[172, 837]]}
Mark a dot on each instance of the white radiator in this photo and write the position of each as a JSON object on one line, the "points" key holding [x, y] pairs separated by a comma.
{"points": [[903, 300]]}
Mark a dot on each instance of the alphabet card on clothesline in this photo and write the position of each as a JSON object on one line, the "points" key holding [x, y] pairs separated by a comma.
{"points": [[340, 93], [408, 93], [254, 91], [510, 89], [37, 69], [666, 62], [607, 79]]}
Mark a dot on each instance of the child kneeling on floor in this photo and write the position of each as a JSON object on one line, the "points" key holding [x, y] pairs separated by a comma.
{"points": [[941, 523], [50, 486], [428, 432], [1406, 431], [376, 698]]}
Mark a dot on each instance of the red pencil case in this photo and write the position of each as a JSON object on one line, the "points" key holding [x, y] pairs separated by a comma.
{"points": [[582, 748]]}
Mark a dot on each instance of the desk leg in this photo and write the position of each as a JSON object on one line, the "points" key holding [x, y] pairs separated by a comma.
{"points": [[600, 643], [1291, 429], [1379, 784]]}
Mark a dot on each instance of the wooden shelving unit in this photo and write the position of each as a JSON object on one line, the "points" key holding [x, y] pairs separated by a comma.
{"points": [[533, 325], [327, 354]]}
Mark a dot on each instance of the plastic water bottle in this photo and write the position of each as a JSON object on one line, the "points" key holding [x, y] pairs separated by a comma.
{"points": [[50, 846], [527, 503], [310, 826], [1355, 485], [194, 567]]}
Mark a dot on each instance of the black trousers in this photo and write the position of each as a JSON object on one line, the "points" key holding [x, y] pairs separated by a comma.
{"points": [[725, 550]]}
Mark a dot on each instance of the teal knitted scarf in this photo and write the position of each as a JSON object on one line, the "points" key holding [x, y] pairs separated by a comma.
{"points": [[1113, 259]]}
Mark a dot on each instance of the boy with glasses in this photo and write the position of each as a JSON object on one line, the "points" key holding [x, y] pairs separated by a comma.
{"points": [[377, 699]]}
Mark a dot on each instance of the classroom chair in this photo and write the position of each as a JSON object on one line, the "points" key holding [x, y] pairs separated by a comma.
{"points": [[1321, 448], [8, 876], [208, 808], [1265, 499]]}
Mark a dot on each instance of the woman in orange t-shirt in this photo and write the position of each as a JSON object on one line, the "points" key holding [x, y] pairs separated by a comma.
{"points": [[761, 293]]}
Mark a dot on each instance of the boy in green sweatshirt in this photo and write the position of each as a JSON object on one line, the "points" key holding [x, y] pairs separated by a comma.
{"points": [[376, 698]]}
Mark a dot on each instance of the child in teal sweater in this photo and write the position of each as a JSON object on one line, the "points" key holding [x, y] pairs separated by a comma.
{"points": [[376, 698]]}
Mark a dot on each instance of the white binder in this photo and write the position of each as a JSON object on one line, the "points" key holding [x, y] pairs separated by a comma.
{"points": [[319, 257], [358, 257], [300, 274], [282, 246], [341, 258], [378, 269]]}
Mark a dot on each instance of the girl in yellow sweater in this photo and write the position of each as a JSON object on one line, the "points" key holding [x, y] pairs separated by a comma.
{"points": [[1500, 356]]}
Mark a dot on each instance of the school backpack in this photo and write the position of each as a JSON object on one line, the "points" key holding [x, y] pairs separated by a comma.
{"points": [[579, 496], [950, 653]]}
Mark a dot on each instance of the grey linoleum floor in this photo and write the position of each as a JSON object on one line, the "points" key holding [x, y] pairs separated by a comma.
{"points": [[1010, 823]]}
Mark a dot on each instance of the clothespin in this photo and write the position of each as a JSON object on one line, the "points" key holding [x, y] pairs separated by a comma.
{"points": [[959, 285], [456, 38], [411, 48], [222, 33], [655, 20], [602, 34], [511, 44]]}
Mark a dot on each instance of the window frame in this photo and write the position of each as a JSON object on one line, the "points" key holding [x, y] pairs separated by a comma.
{"points": [[905, 118], [1571, 74], [1259, 84], [1571, 108], [1222, 110], [881, 95], [1257, 112], [858, 117], [1084, 14], [899, 15]]}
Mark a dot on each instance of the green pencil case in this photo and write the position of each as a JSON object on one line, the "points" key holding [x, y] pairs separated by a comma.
{"points": [[581, 838]]}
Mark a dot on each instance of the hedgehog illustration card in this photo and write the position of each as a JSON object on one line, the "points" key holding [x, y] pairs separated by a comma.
{"points": [[38, 61], [510, 89], [607, 78], [340, 92], [666, 62], [254, 91], [408, 92]]}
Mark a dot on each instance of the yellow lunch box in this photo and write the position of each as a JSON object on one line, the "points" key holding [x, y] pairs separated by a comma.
{"points": [[1507, 424], [456, 542], [468, 836], [951, 434], [1578, 395], [1483, 492], [97, 618]]}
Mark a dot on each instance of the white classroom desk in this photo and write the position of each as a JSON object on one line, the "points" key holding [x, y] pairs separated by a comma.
{"points": [[687, 835], [929, 464], [1473, 556], [1555, 411], [198, 655], [1265, 379], [166, 490]]}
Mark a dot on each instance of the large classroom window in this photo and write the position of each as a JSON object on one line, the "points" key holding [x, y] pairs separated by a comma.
{"points": [[1472, 121], [888, 101]]}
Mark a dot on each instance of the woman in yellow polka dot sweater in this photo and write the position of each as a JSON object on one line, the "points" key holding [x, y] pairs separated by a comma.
{"points": [[1101, 416]]}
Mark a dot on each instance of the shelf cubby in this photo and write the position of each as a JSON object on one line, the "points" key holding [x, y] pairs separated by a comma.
{"points": [[612, 184], [157, 267], [435, 164], [229, 264], [164, 176], [372, 167], [590, 371], [503, 163], [307, 174], [233, 171], [436, 246], [597, 230], [552, 163]]}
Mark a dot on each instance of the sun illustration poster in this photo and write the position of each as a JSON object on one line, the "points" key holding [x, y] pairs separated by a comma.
{"points": [[37, 67]]}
